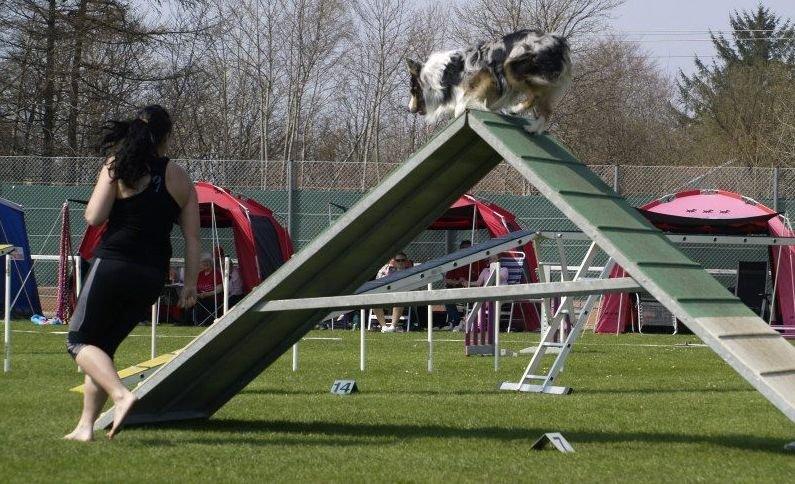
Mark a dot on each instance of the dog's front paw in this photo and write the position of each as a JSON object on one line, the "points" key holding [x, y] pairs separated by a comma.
{"points": [[536, 126]]}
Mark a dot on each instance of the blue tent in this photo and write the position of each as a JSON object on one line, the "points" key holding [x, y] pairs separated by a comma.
{"points": [[13, 231]]}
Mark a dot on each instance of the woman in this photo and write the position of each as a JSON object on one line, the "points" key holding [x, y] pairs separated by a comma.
{"points": [[140, 195], [397, 263], [209, 291]]}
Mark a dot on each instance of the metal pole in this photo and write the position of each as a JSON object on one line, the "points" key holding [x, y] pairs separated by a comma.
{"points": [[430, 334], [289, 175], [7, 336], [215, 244], [775, 189], [362, 329], [153, 347], [295, 357], [226, 284], [775, 288], [497, 321], [616, 187], [472, 239]]}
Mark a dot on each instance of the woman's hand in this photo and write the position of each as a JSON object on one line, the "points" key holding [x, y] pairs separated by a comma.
{"points": [[187, 298]]}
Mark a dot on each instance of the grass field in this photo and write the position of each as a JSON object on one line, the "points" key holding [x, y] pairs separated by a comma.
{"points": [[643, 409]]}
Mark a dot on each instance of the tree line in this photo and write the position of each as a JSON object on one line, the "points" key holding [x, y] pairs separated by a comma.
{"points": [[325, 79]]}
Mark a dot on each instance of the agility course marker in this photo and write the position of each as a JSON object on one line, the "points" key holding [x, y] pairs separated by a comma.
{"points": [[556, 439], [220, 362]]}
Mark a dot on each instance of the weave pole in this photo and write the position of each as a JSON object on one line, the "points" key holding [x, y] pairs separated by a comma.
{"points": [[430, 334], [7, 333]]}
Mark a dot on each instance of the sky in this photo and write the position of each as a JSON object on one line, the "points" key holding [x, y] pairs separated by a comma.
{"points": [[673, 31]]}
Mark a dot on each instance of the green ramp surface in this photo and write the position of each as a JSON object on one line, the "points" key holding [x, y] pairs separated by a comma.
{"points": [[233, 351]]}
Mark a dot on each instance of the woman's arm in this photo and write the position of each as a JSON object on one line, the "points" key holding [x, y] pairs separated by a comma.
{"points": [[219, 289], [102, 198], [484, 274], [189, 223]]}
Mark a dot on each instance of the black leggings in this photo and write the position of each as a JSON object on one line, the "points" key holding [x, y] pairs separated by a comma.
{"points": [[116, 296]]}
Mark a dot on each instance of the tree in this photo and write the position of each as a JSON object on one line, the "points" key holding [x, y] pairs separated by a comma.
{"points": [[620, 112], [731, 107], [489, 19]]}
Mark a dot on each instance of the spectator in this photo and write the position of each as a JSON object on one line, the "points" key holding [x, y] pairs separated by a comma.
{"points": [[209, 290], [397, 263]]}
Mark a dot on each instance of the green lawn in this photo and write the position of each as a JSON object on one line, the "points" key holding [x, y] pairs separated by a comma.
{"points": [[643, 410]]}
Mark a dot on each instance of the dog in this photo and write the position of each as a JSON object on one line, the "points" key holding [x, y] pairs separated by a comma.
{"points": [[525, 70]]}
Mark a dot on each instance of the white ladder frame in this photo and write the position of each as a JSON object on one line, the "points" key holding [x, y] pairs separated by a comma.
{"points": [[536, 383]]}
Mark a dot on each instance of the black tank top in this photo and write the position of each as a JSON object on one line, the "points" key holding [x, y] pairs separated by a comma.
{"points": [[139, 227]]}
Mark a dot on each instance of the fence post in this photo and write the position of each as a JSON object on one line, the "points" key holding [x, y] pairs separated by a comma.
{"points": [[290, 187], [616, 186], [775, 189]]}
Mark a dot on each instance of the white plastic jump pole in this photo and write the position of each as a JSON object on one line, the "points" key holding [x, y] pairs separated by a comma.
{"points": [[430, 334], [295, 357], [226, 284], [7, 336], [153, 347], [362, 330], [78, 276]]}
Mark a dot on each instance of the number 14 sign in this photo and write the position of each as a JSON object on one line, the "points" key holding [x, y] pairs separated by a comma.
{"points": [[344, 387]]}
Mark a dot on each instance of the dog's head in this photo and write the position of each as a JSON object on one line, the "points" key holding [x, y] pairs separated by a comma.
{"points": [[417, 101]]}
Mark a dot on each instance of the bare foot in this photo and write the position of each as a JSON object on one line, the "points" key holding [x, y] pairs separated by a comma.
{"points": [[120, 409], [81, 434]]}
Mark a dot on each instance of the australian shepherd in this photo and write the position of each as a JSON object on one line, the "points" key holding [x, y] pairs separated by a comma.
{"points": [[524, 71]]}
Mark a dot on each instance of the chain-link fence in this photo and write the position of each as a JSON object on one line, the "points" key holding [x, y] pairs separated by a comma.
{"points": [[308, 196]]}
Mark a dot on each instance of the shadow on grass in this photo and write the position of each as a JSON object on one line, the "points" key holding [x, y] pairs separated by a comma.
{"points": [[496, 391], [276, 392], [306, 433], [650, 391]]}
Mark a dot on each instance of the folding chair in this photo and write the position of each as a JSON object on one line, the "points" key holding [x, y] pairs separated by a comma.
{"points": [[514, 262]]}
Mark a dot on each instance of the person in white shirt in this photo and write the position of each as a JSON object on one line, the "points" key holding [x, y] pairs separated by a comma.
{"points": [[397, 263]]}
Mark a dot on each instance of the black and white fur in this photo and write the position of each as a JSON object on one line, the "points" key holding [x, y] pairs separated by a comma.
{"points": [[524, 70]]}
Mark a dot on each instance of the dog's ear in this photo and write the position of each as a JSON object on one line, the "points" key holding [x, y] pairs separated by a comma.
{"points": [[414, 67]]}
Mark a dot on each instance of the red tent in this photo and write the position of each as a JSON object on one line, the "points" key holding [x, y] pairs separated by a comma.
{"points": [[499, 222], [712, 212], [261, 244]]}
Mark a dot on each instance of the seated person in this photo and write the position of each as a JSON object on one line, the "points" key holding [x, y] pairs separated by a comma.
{"points": [[209, 291], [397, 263]]}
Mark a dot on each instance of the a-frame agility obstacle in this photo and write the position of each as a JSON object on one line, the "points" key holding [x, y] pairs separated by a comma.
{"points": [[236, 349]]}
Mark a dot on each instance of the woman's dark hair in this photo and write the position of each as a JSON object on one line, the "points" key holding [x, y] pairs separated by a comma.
{"points": [[133, 143]]}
